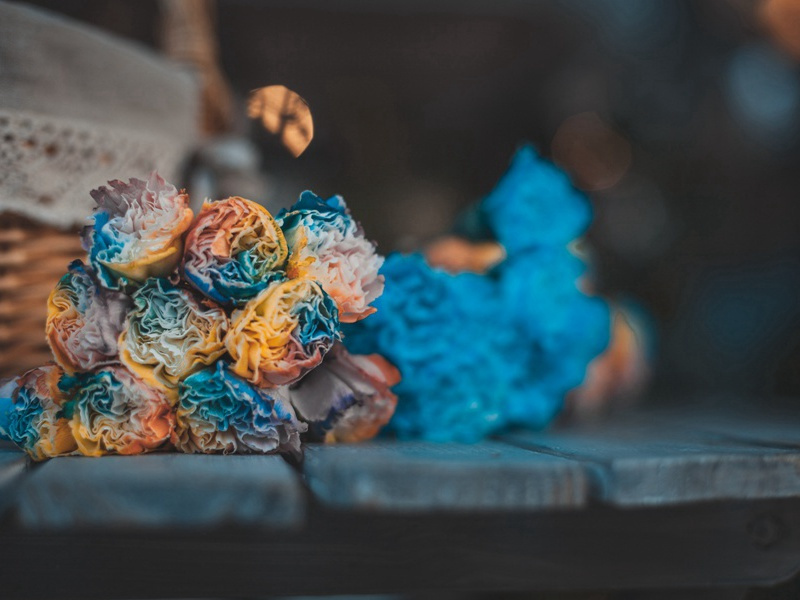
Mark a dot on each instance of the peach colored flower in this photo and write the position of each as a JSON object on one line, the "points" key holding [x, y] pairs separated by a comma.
{"points": [[348, 397], [114, 412], [234, 250]]}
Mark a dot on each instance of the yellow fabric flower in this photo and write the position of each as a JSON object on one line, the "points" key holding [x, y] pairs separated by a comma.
{"points": [[282, 333]]}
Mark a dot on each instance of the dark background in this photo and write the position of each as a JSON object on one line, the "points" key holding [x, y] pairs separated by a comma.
{"points": [[680, 119]]}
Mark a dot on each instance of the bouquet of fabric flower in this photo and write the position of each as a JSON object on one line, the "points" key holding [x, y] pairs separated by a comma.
{"points": [[214, 333]]}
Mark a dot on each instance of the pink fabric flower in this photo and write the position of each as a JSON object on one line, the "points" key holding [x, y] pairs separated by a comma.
{"points": [[328, 245], [84, 321]]}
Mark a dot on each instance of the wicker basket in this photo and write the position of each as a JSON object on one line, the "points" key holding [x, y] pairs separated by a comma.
{"points": [[77, 108], [32, 259]]}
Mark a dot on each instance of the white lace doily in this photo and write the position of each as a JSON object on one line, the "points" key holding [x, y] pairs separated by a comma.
{"points": [[79, 107], [48, 164]]}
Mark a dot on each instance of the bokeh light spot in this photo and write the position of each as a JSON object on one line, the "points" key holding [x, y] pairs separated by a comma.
{"points": [[782, 20], [283, 113], [594, 154], [764, 94]]}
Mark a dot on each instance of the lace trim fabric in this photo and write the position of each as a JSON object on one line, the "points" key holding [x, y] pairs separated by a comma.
{"points": [[47, 163]]}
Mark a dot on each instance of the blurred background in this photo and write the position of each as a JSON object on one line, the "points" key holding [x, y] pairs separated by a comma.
{"points": [[680, 120]]}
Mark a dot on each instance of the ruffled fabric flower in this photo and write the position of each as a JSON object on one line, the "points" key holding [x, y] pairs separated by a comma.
{"points": [[169, 334], [446, 336], [535, 205], [33, 417], [348, 397], [567, 329], [84, 320], [234, 250], [331, 248], [282, 333], [137, 231], [219, 412], [112, 411], [480, 353]]}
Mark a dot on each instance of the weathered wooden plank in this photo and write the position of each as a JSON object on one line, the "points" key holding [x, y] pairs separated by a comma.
{"points": [[161, 490], [763, 425], [13, 463], [342, 552], [419, 477], [643, 463]]}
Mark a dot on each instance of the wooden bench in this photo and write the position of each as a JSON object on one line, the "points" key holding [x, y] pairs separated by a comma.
{"points": [[672, 500]]}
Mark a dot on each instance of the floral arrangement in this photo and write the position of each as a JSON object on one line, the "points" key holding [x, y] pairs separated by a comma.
{"points": [[491, 329], [214, 333], [234, 331]]}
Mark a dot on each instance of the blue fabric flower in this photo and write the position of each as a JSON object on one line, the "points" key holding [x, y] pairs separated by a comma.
{"points": [[479, 353], [218, 412], [441, 332], [535, 205], [23, 419], [34, 418]]}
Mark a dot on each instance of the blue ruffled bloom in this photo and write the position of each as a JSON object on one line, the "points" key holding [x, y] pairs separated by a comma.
{"points": [[315, 213], [220, 412], [441, 332], [235, 282], [535, 205], [480, 353], [23, 416]]}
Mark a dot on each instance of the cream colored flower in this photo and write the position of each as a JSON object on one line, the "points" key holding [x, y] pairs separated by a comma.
{"points": [[137, 231], [169, 334]]}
